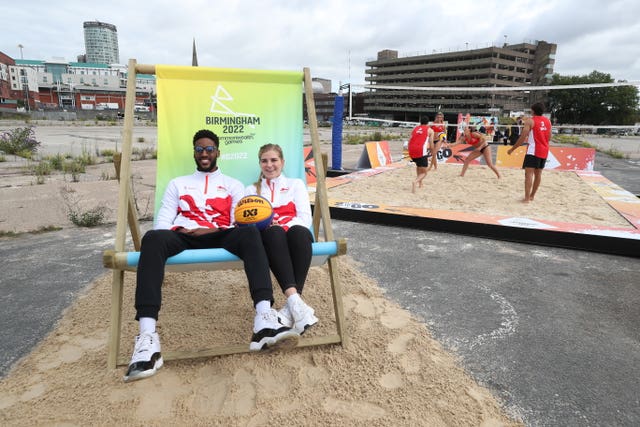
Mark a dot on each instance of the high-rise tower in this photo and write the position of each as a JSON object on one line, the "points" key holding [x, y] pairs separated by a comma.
{"points": [[101, 42]]}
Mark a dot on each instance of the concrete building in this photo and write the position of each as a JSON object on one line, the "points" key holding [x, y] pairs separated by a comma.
{"points": [[101, 42], [523, 64]]}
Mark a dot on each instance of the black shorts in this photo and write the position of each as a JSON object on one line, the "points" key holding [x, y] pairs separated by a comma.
{"points": [[421, 162], [531, 161]]}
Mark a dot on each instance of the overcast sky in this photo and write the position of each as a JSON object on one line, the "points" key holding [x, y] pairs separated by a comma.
{"points": [[334, 38]]}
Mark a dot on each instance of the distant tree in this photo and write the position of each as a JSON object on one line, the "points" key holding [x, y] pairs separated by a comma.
{"points": [[598, 106]]}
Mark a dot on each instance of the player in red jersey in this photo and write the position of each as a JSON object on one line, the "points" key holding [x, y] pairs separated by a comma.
{"points": [[421, 140], [481, 148], [536, 133], [439, 128]]}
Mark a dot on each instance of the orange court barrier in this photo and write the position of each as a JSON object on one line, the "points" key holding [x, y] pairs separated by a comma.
{"points": [[375, 154], [560, 158], [309, 165]]}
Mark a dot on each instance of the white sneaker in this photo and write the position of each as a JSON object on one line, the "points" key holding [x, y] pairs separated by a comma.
{"points": [[301, 314], [269, 334], [285, 317], [146, 358]]}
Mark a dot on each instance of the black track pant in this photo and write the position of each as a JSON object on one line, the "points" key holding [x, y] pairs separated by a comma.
{"points": [[158, 245], [289, 254]]}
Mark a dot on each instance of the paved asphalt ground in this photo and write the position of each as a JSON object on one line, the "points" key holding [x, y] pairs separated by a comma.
{"points": [[555, 333]]}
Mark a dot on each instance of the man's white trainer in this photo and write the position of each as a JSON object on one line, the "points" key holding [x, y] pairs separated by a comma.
{"points": [[269, 334], [146, 358]]}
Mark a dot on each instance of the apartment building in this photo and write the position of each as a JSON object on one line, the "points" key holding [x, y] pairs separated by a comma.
{"points": [[101, 42], [523, 64]]}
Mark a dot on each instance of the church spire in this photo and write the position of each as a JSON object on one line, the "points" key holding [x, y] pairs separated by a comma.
{"points": [[194, 57]]}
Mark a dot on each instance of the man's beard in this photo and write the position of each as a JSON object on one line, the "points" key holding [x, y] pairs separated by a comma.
{"points": [[211, 167]]}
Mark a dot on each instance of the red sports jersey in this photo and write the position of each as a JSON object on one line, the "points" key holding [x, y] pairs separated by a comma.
{"points": [[539, 137], [472, 139], [289, 198], [418, 142], [200, 200], [438, 128]]}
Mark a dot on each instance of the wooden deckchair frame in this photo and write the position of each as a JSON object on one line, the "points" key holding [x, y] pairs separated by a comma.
{"points": [[127, 215]]}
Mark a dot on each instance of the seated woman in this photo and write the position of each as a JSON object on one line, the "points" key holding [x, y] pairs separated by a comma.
{"points": [[481, 148], [288, 240]]}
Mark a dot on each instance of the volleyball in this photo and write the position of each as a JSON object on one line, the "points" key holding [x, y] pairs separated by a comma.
{"points": [[253, 210]]}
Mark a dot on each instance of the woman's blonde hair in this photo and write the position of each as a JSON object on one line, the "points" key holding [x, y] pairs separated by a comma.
{"points": [[261, 151]]}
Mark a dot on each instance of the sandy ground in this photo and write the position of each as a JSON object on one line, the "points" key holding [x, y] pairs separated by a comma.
{"points": [[562, 196], [391, 373]]}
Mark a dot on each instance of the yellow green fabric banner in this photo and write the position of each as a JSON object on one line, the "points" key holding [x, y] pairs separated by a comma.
{"points": [[245, 108]]}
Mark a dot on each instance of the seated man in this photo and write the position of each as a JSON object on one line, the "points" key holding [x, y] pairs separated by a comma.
{"points": [[196, 213]]}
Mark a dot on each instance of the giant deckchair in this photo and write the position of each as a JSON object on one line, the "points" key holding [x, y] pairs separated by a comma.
{"points": [[246, 108]]}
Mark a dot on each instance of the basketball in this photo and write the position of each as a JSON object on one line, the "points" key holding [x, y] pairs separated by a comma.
{"points": [[253, 210]]}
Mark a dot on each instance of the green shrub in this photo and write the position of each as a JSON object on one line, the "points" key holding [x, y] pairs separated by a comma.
{"points": [[75, 168], [90, 218], [86, 159], [56, 162], [82, 218], [19, 141], [42, 168]]}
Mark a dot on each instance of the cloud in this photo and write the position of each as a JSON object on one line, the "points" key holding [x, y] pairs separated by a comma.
{"points": [[333, 38]]}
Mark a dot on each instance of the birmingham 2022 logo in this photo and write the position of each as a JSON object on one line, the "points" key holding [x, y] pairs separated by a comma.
{"points": [[232, 122]]}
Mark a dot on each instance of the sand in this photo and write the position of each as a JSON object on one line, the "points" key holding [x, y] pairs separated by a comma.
{"points": [[562, 196], [392, 372]]}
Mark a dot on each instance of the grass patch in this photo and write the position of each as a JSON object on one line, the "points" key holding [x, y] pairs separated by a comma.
{"points": [[145, 153], [56, 162], [40, 170], [74, 168], [616, 154], [80, 216]]}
